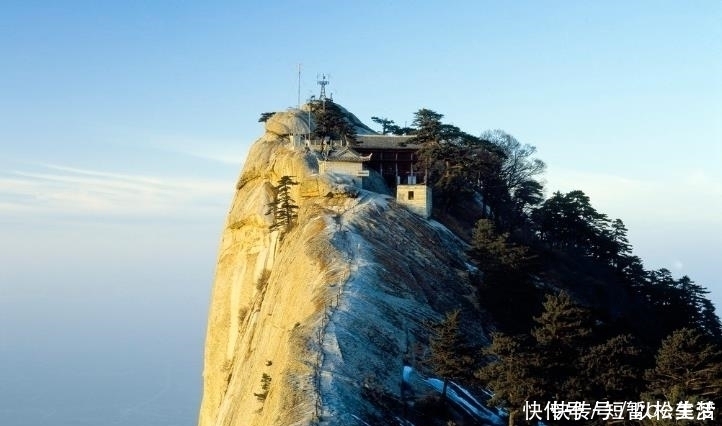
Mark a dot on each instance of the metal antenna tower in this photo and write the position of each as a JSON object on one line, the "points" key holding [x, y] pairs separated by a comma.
{"points": [[323, 82]]}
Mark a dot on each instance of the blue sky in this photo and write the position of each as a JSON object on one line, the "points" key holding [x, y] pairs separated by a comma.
{"points": [[123, 125]]}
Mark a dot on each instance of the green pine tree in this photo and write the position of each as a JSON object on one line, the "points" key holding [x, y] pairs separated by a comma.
{"points": [[493, 250], [332, 122], [265, 116], [562, 336], [563, 322], [513, 372], [283, 207], [265, 386], [428, 125], [688, 368], [387, 125], [611, 371], [448, 352]]}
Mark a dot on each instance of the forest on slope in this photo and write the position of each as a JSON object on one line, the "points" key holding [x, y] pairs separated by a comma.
{"points": [[576, 316]]}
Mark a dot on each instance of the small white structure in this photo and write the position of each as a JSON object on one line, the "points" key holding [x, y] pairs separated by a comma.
{"points": [[416, 197], [345, 161], [298, 142]]}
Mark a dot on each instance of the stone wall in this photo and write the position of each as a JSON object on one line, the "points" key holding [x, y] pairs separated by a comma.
{"points": [[416, 198]]}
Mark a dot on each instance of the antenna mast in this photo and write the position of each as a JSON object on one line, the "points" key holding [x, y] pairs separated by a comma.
{"points": [[299, 86], [323, 82]]}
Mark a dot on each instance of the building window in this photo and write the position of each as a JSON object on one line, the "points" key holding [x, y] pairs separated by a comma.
{"points": [[410, 195]]}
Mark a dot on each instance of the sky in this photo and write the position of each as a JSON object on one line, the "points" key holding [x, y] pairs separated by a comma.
{"points": [[124, 125]]}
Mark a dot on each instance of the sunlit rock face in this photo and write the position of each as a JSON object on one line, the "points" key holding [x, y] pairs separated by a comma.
{"points": [[330, 309], [291, 122]]}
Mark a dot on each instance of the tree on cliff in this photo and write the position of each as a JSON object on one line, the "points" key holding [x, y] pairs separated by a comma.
{"points": [[611, 370], [560, 360], [562, 335], [493, 249], [454, 162], [265, 116], [283, 207], [429, 126], [332, 122], [387, 125], [518, 165], [448, 357], [513, 371], [505, 280], [688, 368]]}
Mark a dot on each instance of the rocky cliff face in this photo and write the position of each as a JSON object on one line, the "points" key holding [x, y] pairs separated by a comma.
{"points": [[330, 312]]}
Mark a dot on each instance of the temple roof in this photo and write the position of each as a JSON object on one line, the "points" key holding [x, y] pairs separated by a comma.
{"points": [[385, 142], [348, 155]]}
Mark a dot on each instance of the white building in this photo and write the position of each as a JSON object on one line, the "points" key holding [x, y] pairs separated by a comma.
{"points": [[416, 197], [345, 161]]}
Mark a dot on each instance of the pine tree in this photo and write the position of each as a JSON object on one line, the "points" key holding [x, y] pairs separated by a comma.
{"points": [[563, 322], [709, 320], [506, 280], [701, 311], [448, 357], [560, 362], [428, 125], [569, 221], [622, 248], [678, 304], [265, 116], [386, 124], [493, 250], [513, 372], [611, 370], [562, 336], [265, 385], [283, 208], [332, 122], [688, 368]]}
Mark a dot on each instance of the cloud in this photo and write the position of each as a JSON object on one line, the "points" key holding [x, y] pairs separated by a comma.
{"points": [[232, 158], [227, 152], [56, 189]]}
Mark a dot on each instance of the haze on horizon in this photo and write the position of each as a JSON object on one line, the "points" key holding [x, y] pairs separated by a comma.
{"points": [[123, 128]]}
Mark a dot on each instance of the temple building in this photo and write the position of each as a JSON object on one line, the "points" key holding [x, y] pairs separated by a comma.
{"points": [[345, 161], [391, 157], [394, 159]]}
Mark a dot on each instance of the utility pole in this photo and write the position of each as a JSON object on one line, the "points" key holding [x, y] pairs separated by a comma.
{"points": [[299, 86]]}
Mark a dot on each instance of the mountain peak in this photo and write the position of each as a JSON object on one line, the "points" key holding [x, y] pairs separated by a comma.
{"points": [[305, 327]]}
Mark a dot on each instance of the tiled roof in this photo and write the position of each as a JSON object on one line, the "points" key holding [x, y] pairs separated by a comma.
{"points": [[385, 141], [348, 155]]}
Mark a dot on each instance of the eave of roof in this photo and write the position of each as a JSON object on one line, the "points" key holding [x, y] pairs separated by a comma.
{"points": [[384, 142], [348, 155]]}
